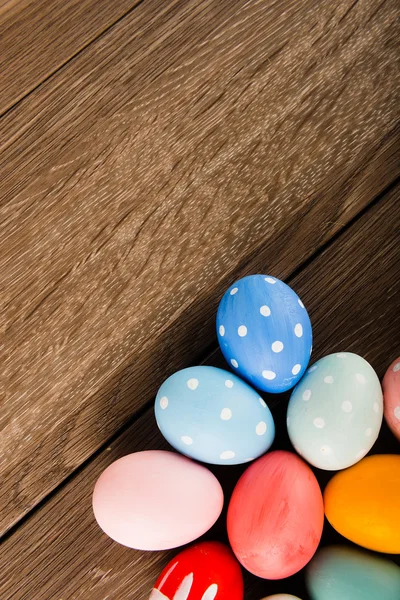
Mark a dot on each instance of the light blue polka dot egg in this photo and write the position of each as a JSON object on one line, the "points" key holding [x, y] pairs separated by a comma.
{"points": [[213, 416], [264, 332], [335, 413]]}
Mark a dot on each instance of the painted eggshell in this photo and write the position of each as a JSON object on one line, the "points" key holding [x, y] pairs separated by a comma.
{"points": [[212, 415], [206, 571], [391, 395], [362, 503], [335, 413], [282, 597], [264, 332], [342, 573], [275, 516], [156, 500]]}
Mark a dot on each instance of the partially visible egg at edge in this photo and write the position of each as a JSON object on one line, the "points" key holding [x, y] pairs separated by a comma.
{"points": [[391, 397]]}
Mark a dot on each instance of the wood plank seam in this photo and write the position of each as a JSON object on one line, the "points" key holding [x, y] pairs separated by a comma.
{"points": [[13, 103]]}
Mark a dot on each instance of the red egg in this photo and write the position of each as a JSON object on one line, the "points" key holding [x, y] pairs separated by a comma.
{"points": [[391, 397], [206, 571], [275, 516]]}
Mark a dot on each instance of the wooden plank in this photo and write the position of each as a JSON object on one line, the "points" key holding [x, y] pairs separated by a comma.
{"points": [[189, 145], [351, 291], [38, 37]]}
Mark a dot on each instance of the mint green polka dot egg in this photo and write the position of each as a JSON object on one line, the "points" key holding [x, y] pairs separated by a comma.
{"points": [[335, 413]]}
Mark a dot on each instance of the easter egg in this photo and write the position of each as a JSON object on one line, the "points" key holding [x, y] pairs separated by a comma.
{"points": [[362, 503], [213, 416], [391, 395], [206, 571], [335, 413], [275, 516], [156, 500], [264, 332], [281, 597], [341, 573]]}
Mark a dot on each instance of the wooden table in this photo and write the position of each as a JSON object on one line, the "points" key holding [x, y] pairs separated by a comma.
{"points": [[150, 153]]}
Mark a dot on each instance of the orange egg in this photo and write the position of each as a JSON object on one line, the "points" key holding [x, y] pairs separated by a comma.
{"points": [[362, 503]]}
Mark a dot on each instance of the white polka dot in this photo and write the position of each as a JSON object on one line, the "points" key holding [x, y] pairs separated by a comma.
{"points": [[269, 375], [341, 355], [368, 432], [396, 367], [270, 280], [296, 369], [229, 383], [362, 453], [360, 378], [328, 379], [319, 422], [187, 440], [261, 428], [300, 302], [306, 395], [226, 414], [311, 369], [375, 406], [326, 450], [298, 330], [347, 406], [242, 331], [397, 413], [221, 330], [262, 402], [234, 363], [192, 383], [265, 310], [164, 402], [233, 291], [277, 346], [227, 454]]}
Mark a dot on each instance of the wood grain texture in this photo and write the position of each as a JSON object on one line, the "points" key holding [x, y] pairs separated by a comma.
{"points": [[37, 37], [351, 291], [190, 144]]}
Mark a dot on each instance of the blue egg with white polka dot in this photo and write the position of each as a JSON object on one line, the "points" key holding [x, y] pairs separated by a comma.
{"points": [[213, 416], [264, 332]]}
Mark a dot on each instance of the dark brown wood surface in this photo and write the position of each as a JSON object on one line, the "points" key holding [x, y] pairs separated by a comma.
{"points": [[192, 142], [351, 291], [37, 37]]}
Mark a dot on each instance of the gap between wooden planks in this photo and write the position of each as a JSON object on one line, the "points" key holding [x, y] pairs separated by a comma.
{"points": [[38, 37], [351, 291], [137, 180]]}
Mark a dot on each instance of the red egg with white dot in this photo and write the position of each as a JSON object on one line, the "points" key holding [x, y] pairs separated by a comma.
{"points": [[206, 571], [391, 397]]}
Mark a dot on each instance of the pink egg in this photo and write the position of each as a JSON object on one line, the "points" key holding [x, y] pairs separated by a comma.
{"points": [[391, 397], [275, 516], [156, 500]]}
